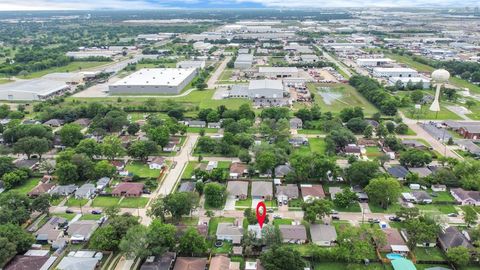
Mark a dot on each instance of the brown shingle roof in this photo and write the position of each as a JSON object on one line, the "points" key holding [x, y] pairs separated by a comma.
{"points": [[190, 263], [128, 189]]}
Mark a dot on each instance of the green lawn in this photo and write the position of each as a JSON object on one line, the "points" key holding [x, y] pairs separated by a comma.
{"points": [[344, 266], [188, 172], [26, 187], [373, 151], [224, 165], [71, 67], [105, 201], [443, 197], [134, 202], [295, 203], [317, 145], [443, 114], [90, 217], [65, 216], [429, 254], [438, 208], [282, 221], [225, 249], [226, 75], [142, 170], [213, 224], [72, 202], [197, 130], [349, 98], [390, 210], [244, 203], [310, 131], [355, 207]]}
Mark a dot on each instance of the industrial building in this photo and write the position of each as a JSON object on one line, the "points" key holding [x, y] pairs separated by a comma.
{"points": [[243, 61], [154, 81], [414, 80], [278, 72], [374, 62], [394, 72], [36, 89], [267, 89], [92, 53], [198, 64]]}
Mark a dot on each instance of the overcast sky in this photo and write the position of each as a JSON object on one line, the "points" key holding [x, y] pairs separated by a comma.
{"points": [[156, 4]]}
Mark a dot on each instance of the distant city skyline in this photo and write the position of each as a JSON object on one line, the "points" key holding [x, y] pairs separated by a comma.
{"points": [[6, 5]]}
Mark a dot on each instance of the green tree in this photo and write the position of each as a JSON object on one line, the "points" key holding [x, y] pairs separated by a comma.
{"points": [[192, 243], [282, 258], [135, 242], [383, 191], [32, 145], [421, 230], [160, 135], [7, 250], [71, 134], [180, 203], [271, 236], [41, 203], [112, 147], [89, 147], [105, 239], [133, 128], [360, 172], [103, 168], [469, 216], [368, 132], [459, 256], [215, 194], [161, 237], [345, 198], [316, 210], [142, 149], [415, 158]]}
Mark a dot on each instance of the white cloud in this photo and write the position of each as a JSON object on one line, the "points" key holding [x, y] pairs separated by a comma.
{"points": [[361, 3]]}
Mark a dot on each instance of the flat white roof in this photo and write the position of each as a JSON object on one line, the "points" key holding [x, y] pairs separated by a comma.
{"points": [[412, 79], [277, 69], [38, 86], [265, 84], [375, 60], [157, 76], [379, 69]]}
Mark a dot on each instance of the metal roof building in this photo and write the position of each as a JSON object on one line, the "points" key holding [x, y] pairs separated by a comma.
{"points": [[36, 89], [154, 81], [270, 89]]}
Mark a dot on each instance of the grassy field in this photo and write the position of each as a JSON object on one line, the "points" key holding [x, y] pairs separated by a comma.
{"points": [[390, 210], [226, 75], [373, 151], [188, 172], [104, 201], [202, 99], [437, 208], [65, 216], [90, 217], [26, 187], [443, 114], [244, 203], [317, 145], [283, 221], [134, 202], [350, 98], [142, 170], [197, 130], [429, 254], [73, 66], [72, 202]]}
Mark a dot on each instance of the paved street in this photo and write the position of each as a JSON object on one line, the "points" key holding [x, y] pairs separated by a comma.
{"points": [[216, 74]]}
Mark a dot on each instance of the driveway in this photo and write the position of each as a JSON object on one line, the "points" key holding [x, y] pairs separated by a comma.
{"points": [[230, 203]]}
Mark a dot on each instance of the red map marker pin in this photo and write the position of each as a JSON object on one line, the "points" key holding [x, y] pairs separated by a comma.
{"points": [[261, 213]]}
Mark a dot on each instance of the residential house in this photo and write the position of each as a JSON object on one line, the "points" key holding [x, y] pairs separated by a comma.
{"points": [[398, 172], [238, 170], [238, 189], [119, 164], [282, 170], [262, 190], [214, 125], [372, 123], [466, 197], [421, 197], [26, 163], [128, 190], [229, 232], [451, 237], [421, 171], [46, 178], [295, 234], [298, 141], [312, 192], [170, 147], [286, 193], [355, 150], [54, 123], [196, 124], [164, 262], [361, 194], [211, 165], [255, 230], [102, 183], [41, 189], [85, 260], [439, 188], [51, 231], [394, 242], [408, 197], [256, 265], [414, 144], [323, 235], [187, 186], [471, 132], [156, 163], [83, 122], [190, 263], [431, 243], [64, 190], [296, 123], [81, 230], [85, 191], [222, 262]]}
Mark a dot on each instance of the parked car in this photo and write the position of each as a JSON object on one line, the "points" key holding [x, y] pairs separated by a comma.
{"points": [[452, 215], [372, 220], [68, 211], [335, 218], [396, 219], [277, 217], [96, 212]]}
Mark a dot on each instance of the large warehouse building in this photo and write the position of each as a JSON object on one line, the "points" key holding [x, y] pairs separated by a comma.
{"points": [[267, 89], [154, 81], [394, 72], [278, 72], [36, 89], [243, 61], [374, 62]]}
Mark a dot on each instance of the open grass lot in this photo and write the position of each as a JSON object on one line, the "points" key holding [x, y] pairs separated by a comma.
{"points": [[65, 216], [142, 170], [443, 114], [213, 224], [202, 99], [104, 201], [134, 202], [188, 172], [350, 98], [197, 130], [470, 267], [90, 217], [438, 208], [373, 151], [224, 165], [71, 67], [226, 75], [317, 145], [344, 266], [392, 208], [351, 208], [72, 202], [443, 196], [282, 221], [26, 187], [429, 254]]}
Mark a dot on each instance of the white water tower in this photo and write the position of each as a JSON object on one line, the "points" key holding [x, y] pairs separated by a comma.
{"points": [[439, 77]]}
